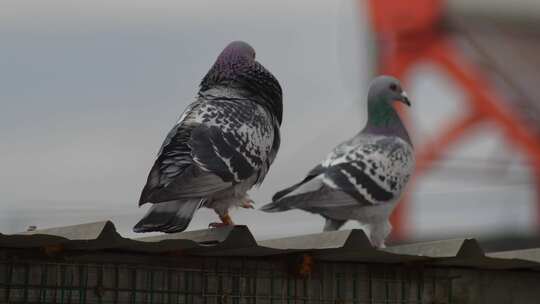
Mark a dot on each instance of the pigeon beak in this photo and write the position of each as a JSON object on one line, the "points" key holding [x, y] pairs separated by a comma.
{"points": [[405, 98]]}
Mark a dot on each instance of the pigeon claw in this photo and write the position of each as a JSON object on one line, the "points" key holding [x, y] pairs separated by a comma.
{"points": [[225, 221], [217, 225], [247, 203]]}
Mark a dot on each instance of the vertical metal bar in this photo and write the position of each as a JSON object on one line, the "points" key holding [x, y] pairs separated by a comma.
{"points": [[80, 285], [165, 282], [321, 284], [9, 279], [81, 274], [169, 275], [370, 287], [230, 276], [272, 285], [164, 294], [99, 283], [219, 288], [57, 283], [420, 289], [256, 274], [186, 286], [306, 286], [192, 286], [241, 277], [219, 282], [133, 296], [54, 290], [243, 282], [288, 289], [63, 283], [355, 287], [151, 282], [43, 283], [204, 282], [116, 283], [386, 287], [83, 282], [85, 290], [403, 289], [295, 283], [26, 282], [450, 291], [234, 284], [246, 289], [336, 287], [71, 280], [434, 281], [178, 275]]}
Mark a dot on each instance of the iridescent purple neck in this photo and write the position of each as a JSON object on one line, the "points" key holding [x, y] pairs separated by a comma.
{"points": [[234, 59], [236, 68]]}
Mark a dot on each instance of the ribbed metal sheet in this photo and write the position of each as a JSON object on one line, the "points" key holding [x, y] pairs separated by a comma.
{"points": [[345, 246]]}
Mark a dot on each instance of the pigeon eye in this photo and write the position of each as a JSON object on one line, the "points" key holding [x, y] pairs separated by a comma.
{"points": [[393, 87]]}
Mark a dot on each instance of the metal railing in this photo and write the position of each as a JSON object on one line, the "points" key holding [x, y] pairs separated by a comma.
{"points": [[329, 283]]}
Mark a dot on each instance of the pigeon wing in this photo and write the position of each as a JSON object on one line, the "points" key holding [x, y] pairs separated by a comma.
{"points": [[238, 140], [174, 174], [372, 171]]}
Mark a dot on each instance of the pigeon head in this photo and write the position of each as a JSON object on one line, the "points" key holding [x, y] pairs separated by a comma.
{"points": [[383, 92], [234, 60], [387, 89], [237, 68], [235, 51]]}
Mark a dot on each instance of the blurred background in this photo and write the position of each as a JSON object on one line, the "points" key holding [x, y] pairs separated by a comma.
{"points": [[89, 89]]}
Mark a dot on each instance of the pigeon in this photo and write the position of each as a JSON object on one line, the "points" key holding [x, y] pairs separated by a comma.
{"points": [[222, 145], [362, 178]]}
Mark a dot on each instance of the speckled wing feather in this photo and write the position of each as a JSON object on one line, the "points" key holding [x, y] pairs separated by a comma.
{"points": [[366, 170], [220, 140], [372, 169], [236, 139]]}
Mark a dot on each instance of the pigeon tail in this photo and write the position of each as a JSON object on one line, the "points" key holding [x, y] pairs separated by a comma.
{"points": [[168, 217], [292, 201], [313, 174], [294, 196], [282, 193], [274, 207]]}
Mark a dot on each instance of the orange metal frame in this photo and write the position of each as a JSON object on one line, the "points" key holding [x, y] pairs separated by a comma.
{"points": [[408, 33]]}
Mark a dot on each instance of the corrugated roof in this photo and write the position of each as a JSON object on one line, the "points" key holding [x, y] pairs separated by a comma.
{"points": [[344, 245]]}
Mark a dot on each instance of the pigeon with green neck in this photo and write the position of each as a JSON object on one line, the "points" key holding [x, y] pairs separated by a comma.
{"points": [[363, 178]]}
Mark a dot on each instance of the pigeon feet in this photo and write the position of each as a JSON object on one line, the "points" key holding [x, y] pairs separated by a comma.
{"points": [[217, 225], [225, 221], [247, 203]]}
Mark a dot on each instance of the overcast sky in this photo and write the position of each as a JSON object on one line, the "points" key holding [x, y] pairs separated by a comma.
{"points": [[89, 89]]}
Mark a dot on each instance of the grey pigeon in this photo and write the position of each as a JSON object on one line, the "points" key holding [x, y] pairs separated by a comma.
{"points": [[222, 145], [362, 178]]}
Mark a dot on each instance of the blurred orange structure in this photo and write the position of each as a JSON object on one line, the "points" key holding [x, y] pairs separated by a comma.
{"points": [[409, 32]]}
